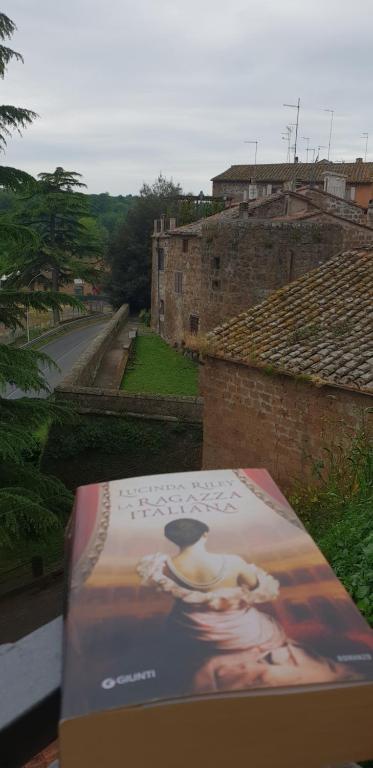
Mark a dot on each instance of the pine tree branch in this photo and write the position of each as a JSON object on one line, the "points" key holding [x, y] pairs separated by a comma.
{"points": [[16, 180], [7, 27], [6, 55], [13, 118]]}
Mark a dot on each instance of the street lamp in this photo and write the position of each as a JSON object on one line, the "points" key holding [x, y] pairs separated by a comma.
{"points": [[27, 309]]}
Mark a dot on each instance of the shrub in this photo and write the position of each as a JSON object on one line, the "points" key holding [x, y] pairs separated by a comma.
{"points": [[338, 513], [145, 317]]}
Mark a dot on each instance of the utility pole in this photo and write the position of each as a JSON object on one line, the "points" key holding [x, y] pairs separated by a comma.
{"points": [[331, 128], [297, 107], [307, 139], [366, 137]]}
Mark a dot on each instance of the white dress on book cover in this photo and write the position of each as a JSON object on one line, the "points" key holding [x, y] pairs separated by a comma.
{"points": [[244, 645], [224, 618]]}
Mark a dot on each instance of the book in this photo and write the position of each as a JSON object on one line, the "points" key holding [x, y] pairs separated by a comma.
{"points": [[203, 625]]}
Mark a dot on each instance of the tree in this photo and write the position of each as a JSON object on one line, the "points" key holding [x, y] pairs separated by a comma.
{"points": [[30, 503], [11, 118], [67, 241], [130, 251]]}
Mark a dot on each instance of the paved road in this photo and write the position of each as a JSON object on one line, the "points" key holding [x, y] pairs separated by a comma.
{"points": [[65, 351]]}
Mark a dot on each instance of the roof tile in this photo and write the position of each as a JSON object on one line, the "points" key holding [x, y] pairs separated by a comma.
{"points": [[305, 172], [321, 325]]}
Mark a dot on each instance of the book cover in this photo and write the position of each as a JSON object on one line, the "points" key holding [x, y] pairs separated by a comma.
{"points": [[201, 584]]}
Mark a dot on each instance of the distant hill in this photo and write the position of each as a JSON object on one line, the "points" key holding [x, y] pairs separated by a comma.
{"points": [[110, 211]]}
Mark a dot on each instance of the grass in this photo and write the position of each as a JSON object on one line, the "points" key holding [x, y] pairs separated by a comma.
{"points": [[155, 368]]}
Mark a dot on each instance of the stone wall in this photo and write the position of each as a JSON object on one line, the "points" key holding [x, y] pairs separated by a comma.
{"points": [[118, 402], [84, 371], [332, 204], [235, 190], [232, 267], [274, 421]]}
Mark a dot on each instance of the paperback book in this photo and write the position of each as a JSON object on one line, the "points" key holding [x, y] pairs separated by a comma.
{"points": [[204, 625]]}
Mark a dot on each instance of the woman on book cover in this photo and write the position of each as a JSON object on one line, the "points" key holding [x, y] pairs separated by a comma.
{"points": [[215, 598]]}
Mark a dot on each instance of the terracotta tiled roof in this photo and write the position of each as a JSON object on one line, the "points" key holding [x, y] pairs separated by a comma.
{"points": [[280, 172], [319, 327]]}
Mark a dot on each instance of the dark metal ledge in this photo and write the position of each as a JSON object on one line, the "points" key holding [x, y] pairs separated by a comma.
{"points": [[30, 673]]}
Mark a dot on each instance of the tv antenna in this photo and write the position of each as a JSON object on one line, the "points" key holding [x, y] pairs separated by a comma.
{"points": [[297, 107], [256, 148], [366, 137], [331, 128], [307, 139]]}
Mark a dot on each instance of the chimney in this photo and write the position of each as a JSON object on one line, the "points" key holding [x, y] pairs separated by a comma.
{"points": [[370, 214], [162, 220], [172, 224], [359, 160], [243, 210], [244, 196], [155, 231], [335, 184], [296, 159]]}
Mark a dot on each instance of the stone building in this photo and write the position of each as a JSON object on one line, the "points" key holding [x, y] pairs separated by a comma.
{"points": [[206, 272], [294, 374], [352, 181]]}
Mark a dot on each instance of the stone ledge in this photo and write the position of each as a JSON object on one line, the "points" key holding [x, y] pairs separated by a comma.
{"points": [[105, 401], [84, 371]]}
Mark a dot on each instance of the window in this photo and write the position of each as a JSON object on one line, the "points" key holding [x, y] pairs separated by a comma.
{"points": [[216, 262], [216, 285], [194, 323], [161, 259], [178, 282], [185, 245], [161, 307]]}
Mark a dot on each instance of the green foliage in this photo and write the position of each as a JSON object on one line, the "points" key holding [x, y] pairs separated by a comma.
{"points": [[130, 249], [11, 118], [145, 317], [338, 512], [156, 368], [15, 303], [67, 239], [106, 434], [31, 504], [110, 211]]}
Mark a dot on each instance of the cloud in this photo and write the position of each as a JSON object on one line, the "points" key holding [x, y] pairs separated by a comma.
{"points": [[127, 89]]}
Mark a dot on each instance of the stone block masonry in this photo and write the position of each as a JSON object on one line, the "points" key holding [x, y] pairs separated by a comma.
{"points": [[116, 402], [275, 421], [231, 267]]}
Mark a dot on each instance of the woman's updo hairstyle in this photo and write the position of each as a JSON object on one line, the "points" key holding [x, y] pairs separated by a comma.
{"points": [[185, 532]]}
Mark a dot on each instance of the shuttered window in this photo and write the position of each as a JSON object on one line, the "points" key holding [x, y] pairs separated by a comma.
{"points": [[178, 282]]}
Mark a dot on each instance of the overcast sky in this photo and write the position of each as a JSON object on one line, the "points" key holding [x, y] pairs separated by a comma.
{"points": [[128, 88]]}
